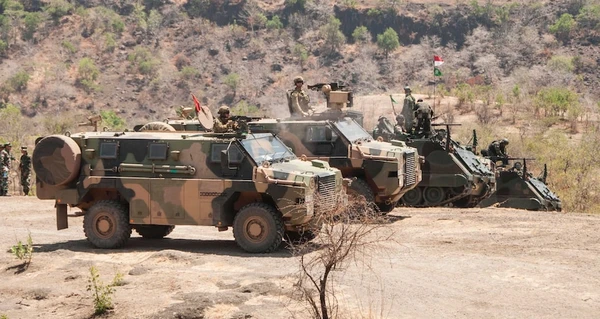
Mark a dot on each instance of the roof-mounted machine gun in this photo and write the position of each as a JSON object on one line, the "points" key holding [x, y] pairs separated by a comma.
{"points": [[336, 94], [92, 121]]}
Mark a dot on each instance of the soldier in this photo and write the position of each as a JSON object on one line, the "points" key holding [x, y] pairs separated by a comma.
{"points": [[25, 170], [424, 114], [408, 109], [400, 122], [497, 151], [298, 100], [223, 124], [5, 159]]}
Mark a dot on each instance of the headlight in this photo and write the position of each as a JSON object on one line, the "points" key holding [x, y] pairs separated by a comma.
{"points": [[312, 183]]}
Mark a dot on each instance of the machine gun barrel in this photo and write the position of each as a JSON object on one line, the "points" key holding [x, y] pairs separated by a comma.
{"points": [[446, 124], [335, 86]]}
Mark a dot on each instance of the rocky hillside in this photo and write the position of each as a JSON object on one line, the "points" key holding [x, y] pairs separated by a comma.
{"points": [[140, 59]]}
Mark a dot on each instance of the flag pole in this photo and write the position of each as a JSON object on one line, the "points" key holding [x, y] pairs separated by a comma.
{"points": [[434, 84]]}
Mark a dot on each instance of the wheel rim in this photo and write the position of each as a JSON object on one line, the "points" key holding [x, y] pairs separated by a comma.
{"points": [[255, 229], [434, 195], [104, 226], [412, 197]]}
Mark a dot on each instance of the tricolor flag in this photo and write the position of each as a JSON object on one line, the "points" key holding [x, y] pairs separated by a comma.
{"points": [[437, 60], [437, 72]]}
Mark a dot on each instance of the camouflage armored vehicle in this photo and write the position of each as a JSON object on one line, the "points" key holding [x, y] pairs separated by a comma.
{"points": [[152, 181], [516, 187], [452, 174], [382, 172]]}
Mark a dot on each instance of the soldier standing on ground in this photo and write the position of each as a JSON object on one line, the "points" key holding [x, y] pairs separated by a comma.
{"points": [[408, 109], [424, 116], [497, 151], [5, 159], [223, 123], [25, 169], [298, 100]]}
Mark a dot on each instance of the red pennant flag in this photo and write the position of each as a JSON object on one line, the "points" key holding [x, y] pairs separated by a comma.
{"points": [[198, 107], [437, 60]]}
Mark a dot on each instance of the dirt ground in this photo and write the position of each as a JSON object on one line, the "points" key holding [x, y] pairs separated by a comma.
{"points": [[444, 263]]}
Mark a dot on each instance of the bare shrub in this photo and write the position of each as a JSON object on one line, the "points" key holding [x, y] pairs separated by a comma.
{"points": [[349, 234]]}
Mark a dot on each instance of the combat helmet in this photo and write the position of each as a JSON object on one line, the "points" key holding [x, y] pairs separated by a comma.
{"points": [[298, 79], [224, 109], [407, 88], [504, 141]]}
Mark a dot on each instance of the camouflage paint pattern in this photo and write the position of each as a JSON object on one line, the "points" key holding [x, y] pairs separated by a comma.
{"points": [[170, 178], [456, 176], [390, 170], [514, 190]]}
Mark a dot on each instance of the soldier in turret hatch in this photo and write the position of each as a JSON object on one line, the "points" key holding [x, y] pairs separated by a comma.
{"points": [[223, 123], [298, 100]]}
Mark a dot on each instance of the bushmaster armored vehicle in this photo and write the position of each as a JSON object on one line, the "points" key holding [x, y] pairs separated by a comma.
{"points": [[452, 174], [516, 187], [382, 172], [152, 181]]}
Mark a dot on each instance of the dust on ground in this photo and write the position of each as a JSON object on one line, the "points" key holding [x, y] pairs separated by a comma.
{"points": [[443, 263]]}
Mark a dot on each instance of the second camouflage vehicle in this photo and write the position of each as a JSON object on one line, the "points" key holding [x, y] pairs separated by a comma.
{"points": [[152, 181], [382, 172]]}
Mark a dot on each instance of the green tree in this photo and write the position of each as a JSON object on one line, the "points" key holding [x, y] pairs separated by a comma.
{"points": [[18, 82], [360, 34], [143, 61], [232, 80], [563, 27], [32, 21], [388, 41], [556, 100], [112, 120], [301, 53], [275, 23], [589, 17], [334, 38], [58, 9], [87, 74]]}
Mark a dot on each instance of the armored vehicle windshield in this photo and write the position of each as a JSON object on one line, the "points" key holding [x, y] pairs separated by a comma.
{"points": [[264, 147], [382, 172]]}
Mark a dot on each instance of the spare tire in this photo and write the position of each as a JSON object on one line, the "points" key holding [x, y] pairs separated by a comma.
{"points": [[56, 159], [157, 126]]}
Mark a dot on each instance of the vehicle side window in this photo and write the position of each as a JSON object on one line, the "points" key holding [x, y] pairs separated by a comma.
{"points": [[235, 155], [319, 134], [157, 151], [108, 150]]}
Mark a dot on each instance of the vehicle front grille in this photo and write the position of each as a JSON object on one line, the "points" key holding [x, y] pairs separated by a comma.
{"points": [[410, 169], [326, 199]]}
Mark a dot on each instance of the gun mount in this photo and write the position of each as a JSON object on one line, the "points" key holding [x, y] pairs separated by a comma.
{"points": [[92, 121], [336, 94]]}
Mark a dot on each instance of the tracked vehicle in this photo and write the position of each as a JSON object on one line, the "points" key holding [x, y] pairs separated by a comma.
{"points": [[152, 181], [452, 174], [516, 187]]}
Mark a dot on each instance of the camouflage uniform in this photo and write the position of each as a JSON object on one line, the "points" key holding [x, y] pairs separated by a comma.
{"points": [[497, 151], [408, 109], [5, 159], [424, 113], [299, 100], [25, 169], [400, 124], [223, 124]]}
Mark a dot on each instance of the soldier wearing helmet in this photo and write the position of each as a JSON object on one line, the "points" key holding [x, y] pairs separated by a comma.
{"points": [[223, 123], [424, 114], [400, 122], [408, 109], [298, 100], [5, 159], [497, 151]]}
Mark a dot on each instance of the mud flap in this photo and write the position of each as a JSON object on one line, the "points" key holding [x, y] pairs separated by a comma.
{"points": [[61, 217]]}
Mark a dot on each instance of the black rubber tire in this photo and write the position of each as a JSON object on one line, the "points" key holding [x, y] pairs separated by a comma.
{"points": [[434, 195], [270, 223], [157, 126], [154, 231], [413, 197], [111, 215], [386, 208], [359, 187], [296, 238]]}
